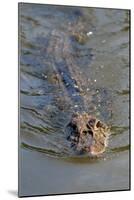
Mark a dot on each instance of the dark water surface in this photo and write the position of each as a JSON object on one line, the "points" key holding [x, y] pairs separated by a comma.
{"points": [[94, 44]]}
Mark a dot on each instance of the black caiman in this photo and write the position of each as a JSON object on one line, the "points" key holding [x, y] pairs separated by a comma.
{"points": [[85, 132]]}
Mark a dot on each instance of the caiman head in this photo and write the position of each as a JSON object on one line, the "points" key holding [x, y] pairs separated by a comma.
{"points": [[87, 134]]}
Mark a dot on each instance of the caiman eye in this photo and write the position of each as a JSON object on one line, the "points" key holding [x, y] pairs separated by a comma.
{"points": [[89, 130], [88, 126], [91, 122], [99, 124]]}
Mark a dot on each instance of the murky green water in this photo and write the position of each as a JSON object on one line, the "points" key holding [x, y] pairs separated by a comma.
{"points": [[96, 43]]}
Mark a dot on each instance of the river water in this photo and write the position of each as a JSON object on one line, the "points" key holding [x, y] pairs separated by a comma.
{"points": [[97, 43]]}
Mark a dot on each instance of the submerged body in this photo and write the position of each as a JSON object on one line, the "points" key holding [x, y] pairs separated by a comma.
{"points": [[85, 132]]}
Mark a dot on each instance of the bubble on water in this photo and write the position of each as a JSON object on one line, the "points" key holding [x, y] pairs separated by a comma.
{"points": [[76, 106], [101, 66], [40, 92], [89, 33], [43, 75], [76, 86], [103, 41], [97, 114], [95, 108], [75, 94], [99, 100]]}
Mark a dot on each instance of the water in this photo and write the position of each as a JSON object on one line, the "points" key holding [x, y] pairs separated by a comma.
{"points": [[94, 44]]}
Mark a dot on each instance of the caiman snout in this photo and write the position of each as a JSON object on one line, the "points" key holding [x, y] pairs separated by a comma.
{"points": [[87, 134]]}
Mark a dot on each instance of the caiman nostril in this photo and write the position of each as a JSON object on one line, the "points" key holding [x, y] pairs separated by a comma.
{"points": [[88, 126], [98, 124], [90, 132], [85, 132]]}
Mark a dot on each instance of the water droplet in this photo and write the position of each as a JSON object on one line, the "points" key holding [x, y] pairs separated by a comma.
{"points": [[40, 92], [75, 94], [43, 75], [103, 41], [89, 33], [76, 106], [99, 100], [76, 86], [97, 114], [101, 66]]}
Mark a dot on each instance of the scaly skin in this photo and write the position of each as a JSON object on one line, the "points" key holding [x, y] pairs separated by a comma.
{"points": [[85, 132]]}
